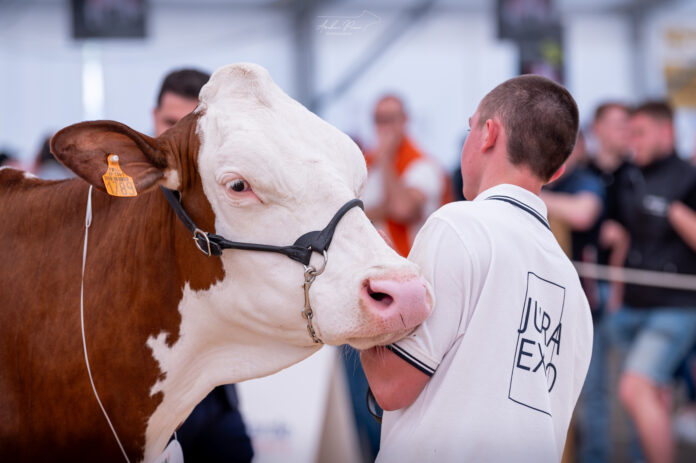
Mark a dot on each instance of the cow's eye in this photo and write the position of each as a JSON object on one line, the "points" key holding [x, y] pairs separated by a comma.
{"points": [[238, 185]]}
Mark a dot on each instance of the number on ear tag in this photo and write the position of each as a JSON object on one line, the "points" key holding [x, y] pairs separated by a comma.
{"points": [[117, 183]]}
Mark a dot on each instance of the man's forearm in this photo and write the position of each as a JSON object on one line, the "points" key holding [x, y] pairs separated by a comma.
{"points": [[619, 245], [394, 383], [579, 211]]}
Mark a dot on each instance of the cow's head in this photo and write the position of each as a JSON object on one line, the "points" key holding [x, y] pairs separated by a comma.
{"points": [[270, 171]]}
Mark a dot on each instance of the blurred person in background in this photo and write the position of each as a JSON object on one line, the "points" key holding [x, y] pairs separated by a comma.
{"points": [[178, 96], [403, 186], [610, 162], [657, 205], [215, 431], [576, 201]]}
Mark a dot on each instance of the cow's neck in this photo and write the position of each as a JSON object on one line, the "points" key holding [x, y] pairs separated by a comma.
{"points": [[203, 358], [202, 352]]}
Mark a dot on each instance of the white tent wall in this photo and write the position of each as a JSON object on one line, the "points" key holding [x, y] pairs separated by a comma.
{"points": [[41, 66], [442, 65], [598, 61], [40, 74]]}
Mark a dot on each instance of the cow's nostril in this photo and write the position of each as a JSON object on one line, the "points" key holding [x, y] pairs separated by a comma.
{"points": [[382, 298]]}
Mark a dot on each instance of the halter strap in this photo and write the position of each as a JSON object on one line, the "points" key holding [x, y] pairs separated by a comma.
{"points": [[213, 245]]}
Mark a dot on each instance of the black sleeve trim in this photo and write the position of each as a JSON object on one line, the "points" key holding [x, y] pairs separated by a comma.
{"points": [[410, 359]]}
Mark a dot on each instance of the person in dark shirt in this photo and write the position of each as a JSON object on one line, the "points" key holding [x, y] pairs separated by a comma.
{"points": [[657, 205], [576, 200]]}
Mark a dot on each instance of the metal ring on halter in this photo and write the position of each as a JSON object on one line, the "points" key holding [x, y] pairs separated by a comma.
{"points": [[200, 233], [314, 272]]}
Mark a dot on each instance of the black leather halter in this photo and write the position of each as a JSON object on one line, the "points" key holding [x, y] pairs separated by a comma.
{"points": [[213, 245]]}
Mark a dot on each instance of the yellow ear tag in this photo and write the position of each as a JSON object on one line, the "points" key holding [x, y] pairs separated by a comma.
{"points": [[116, 181]]}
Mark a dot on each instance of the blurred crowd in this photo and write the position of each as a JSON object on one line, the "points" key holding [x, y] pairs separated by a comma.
{"points": [[626, 199]]}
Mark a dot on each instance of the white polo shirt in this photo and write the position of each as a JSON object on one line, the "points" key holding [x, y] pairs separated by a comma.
{"points": [[508, 343]]}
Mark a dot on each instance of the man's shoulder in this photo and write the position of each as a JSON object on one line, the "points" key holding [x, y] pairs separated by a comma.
{"points": [[467, 219], [459, 211], [683, 166]]}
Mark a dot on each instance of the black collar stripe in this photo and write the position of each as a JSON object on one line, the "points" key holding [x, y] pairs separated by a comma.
{"points": [[410, 359], [522, 206]]}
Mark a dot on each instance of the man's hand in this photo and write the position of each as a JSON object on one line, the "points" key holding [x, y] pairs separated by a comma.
{"points": [[387, 147], [613, 236]]}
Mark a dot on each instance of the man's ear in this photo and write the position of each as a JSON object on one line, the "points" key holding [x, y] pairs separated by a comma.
{"points": [[491, 131], [84, 148], [558, 173]]}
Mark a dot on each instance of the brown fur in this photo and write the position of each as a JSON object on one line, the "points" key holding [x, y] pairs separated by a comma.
{"points": [[138, 260]]}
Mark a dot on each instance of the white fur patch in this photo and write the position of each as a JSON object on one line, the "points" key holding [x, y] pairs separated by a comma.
{"points": [[171, 179], [29, 175], [210, 351]]}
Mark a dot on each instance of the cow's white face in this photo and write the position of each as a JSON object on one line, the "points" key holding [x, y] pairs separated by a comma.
{"points": [[273, 171]]}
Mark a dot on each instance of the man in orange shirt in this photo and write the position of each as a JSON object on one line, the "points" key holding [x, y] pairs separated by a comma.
{"points": [[404, 186]]}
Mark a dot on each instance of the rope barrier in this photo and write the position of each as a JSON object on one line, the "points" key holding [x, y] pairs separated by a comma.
{"points": [[636, 277]]}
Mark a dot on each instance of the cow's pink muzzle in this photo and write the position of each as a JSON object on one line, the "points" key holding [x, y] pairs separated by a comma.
{"points": [[396, 304]]}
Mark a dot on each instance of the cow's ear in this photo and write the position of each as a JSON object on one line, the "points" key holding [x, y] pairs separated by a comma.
{"points": [[85, 147]]}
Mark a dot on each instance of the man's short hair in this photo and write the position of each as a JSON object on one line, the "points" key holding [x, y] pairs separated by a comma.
{"points": [[186, 83], [603, 108], [540, 119], [658, 110]]}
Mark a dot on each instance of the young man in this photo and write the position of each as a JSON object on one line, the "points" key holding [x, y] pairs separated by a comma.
{"points": [[657, 205], [494, 373], [215, 431]]}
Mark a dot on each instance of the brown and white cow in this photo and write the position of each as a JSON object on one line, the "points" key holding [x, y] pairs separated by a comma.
{"points": [[165, 323]]}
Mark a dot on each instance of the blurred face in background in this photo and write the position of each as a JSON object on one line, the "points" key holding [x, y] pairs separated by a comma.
{"points": [[172, 108], [612, 131], [390, 119], [650, 138]]}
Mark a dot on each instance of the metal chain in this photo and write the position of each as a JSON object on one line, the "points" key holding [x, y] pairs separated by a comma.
{"points": [[310, 275]]}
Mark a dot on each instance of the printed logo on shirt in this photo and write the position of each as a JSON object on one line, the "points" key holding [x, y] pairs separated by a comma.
{"points": [[535, 366], [656, 205]]}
